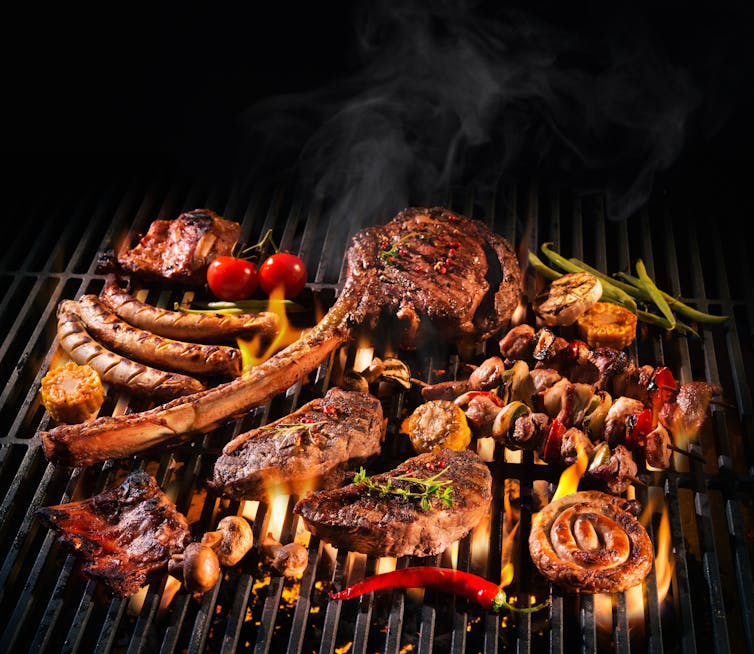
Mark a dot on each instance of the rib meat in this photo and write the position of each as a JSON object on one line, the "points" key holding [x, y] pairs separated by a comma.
{"points": [[124, 535], [310, 448], [385, 524], [374, 283], [180, 250]]}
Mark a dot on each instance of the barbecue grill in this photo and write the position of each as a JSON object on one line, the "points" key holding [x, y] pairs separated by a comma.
{"points": [[49, 606]]}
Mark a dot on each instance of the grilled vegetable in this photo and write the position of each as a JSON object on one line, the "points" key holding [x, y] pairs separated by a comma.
{"points": [[437, 424], [72, 393], [567, 298], [608, 325], [464, 584]]}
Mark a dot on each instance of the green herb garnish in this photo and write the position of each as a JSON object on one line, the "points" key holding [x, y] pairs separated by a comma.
{"points": [[415, 487]]}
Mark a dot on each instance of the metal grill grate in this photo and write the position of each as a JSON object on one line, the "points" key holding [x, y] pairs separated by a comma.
{"points": [[49, 606]]}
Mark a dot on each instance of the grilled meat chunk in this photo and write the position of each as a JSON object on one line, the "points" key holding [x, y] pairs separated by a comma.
{"points": [[180, 250], [310, 448], [124, 535], [362, 518], [435, 264]]}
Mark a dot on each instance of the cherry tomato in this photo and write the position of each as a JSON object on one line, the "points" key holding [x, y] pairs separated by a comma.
{"points": [[283, 269], [231, 279]]}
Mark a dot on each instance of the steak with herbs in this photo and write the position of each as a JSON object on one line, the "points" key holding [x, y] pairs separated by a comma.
{"points": [[397, 513], [434, 264], [125, 536], [312, 447], [180, 250]]}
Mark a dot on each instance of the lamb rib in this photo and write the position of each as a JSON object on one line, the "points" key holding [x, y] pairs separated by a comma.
{"points": [[375, 280]]}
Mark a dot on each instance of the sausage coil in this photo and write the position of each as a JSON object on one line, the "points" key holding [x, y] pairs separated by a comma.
{"points": [[591, 542]]}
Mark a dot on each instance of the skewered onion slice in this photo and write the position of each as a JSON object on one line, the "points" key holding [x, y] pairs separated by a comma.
{"points": [[567, 298], [591, 542]]}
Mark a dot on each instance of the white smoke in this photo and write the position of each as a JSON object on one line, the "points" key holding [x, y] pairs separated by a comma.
{"points": [[456, 92]]}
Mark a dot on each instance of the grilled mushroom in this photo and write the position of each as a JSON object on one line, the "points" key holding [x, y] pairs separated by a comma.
{"points": [[199, 568], [231, 541]]}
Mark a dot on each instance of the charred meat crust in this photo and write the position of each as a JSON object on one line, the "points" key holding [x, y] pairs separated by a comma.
{"points": [[619, 558], [198, 327], [309, 448], [435, 264], [355, 518], [125, 535], [180, 250], [151, 349]]}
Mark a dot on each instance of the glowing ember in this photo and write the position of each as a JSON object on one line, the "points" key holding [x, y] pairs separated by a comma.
{"points": [[571, 476], [252, 352]]}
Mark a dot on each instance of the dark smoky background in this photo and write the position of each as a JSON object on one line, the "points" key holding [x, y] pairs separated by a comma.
{"points": [[373, 104]]}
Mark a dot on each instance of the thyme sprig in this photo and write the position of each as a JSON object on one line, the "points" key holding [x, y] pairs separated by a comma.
{"points": [[291, 429], [396, 250], [417, 488]]}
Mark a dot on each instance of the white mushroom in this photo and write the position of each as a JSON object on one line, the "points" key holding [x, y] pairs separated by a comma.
{"points": [[231, 541]]}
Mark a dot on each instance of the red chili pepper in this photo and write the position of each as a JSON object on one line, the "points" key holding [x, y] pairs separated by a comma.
{"points": [[496, 399], [554, 441], [468, 585], [638, 425]]}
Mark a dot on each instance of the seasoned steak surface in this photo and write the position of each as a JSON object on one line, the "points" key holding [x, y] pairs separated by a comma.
{"points": [[310, 448], [366, 520], [435, 264]]}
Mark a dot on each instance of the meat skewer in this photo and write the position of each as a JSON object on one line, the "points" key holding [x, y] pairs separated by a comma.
{"points": [[391, 268]]}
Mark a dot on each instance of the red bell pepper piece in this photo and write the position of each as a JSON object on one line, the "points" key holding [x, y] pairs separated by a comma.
{"points": [[638, 425], [494, 397], [554, 441], [662, 385]]}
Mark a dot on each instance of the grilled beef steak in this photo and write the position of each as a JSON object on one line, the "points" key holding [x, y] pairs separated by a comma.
{"points": [[310, 448], [180, 250], [371, 517], [124, 535], [435, 264]]}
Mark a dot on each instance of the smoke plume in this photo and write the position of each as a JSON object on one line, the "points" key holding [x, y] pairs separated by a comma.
{"points": [[445, 92]]}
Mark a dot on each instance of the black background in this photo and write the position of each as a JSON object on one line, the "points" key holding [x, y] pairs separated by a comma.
{"points": [[87, 87]]}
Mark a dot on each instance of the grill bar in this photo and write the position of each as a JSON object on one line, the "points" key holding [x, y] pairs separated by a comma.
{"points": [[51, 606]]}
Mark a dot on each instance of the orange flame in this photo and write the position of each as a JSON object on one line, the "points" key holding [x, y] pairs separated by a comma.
{"points": [[664, 568], [252, 351], [664, 563], [571, 476]]}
